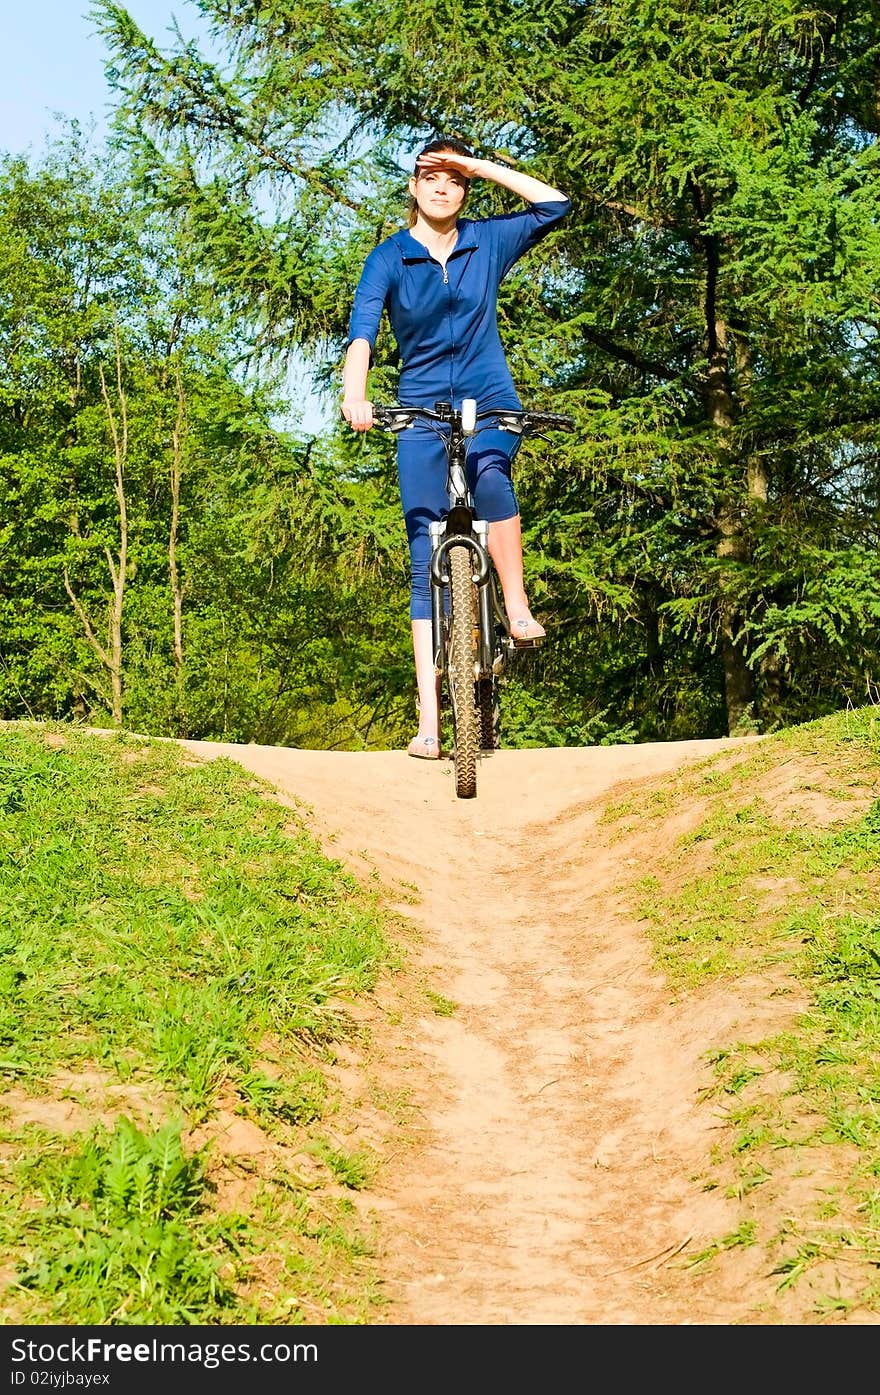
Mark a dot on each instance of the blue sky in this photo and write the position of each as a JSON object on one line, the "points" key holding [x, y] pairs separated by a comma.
{"points": [[52, 61]]}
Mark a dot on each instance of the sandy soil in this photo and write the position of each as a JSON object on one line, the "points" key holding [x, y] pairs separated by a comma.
{"points": [[550, 1169]]}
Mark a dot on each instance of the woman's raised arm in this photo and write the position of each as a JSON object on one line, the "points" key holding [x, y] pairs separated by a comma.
{"points": [[526, 185]]}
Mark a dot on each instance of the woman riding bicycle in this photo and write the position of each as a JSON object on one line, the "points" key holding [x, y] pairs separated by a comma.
{"points": [[438, 281]]}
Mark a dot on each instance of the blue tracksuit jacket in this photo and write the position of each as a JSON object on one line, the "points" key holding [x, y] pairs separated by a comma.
{"points": [[445, 321]]}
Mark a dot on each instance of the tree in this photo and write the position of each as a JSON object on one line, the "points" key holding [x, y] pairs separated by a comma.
{"points": [[172, 557], [708, 553]]}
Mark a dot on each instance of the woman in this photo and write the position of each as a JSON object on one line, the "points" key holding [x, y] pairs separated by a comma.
{"points": [[438, 281]]}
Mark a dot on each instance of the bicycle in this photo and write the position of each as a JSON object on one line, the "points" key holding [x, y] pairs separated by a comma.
{"points": [[471, 634]]}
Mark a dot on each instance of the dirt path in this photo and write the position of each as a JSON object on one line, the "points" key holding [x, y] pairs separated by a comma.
{"points": [[554, 1177]]}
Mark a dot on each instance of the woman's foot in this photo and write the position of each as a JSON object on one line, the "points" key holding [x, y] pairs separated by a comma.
{"points": [[527, 630], [424, 747]]}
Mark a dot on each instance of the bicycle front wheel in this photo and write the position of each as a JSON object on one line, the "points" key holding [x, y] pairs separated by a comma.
{"points": [[461, 670]]}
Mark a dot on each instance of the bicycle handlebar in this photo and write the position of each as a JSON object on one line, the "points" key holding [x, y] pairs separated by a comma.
{"points": [[521, 423]]}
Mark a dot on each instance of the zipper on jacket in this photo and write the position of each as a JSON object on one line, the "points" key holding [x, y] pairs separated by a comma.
{"points": [[449, 303]]}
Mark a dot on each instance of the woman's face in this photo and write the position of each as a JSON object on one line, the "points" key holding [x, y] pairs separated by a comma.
{"points": [[439, 193]]}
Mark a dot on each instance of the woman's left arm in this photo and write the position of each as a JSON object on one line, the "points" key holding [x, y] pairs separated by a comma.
{"points": [[525, 185], [531, 189]]}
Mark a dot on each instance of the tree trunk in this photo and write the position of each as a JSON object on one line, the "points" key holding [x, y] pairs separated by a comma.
{"points": [[739, 683], [118, 568], [173, 569], [771, 668], [111, 654]]}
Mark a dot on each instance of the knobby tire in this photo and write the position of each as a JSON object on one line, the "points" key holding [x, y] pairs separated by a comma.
{"points": [[461, 670], [489, 709], [488, 690]]}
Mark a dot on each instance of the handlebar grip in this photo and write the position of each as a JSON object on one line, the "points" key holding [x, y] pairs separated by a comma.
{"points": [[525, 423], [556, 421]]}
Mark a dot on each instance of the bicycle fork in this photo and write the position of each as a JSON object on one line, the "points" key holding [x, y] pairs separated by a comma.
{"points": [[478, 543]]}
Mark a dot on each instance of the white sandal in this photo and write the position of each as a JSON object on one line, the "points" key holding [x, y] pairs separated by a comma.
{"points": [[424, 748], [527, 631]]}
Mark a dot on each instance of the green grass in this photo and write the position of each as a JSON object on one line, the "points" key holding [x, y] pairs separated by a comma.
{"points": [[755, 884], [171, 940]]}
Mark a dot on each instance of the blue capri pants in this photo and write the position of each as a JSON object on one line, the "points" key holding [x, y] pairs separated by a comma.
{"points": [[421, 472]]}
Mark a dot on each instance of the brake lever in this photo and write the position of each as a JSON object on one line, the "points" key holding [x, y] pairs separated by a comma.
{"points": [[509, 424], [391, 420]]}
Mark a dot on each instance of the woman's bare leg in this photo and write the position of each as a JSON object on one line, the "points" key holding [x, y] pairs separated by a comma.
{"points": [[426, 679], [505, 549]]}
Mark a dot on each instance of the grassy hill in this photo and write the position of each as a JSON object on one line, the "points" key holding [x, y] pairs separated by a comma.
{"points": [[178, 959], [762, 868], [183, 972]]}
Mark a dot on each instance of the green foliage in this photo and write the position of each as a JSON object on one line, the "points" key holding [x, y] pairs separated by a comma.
{"points": [[707, 312], [284, 607], [351, 1169], [703, 553], [298, 1101]]}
